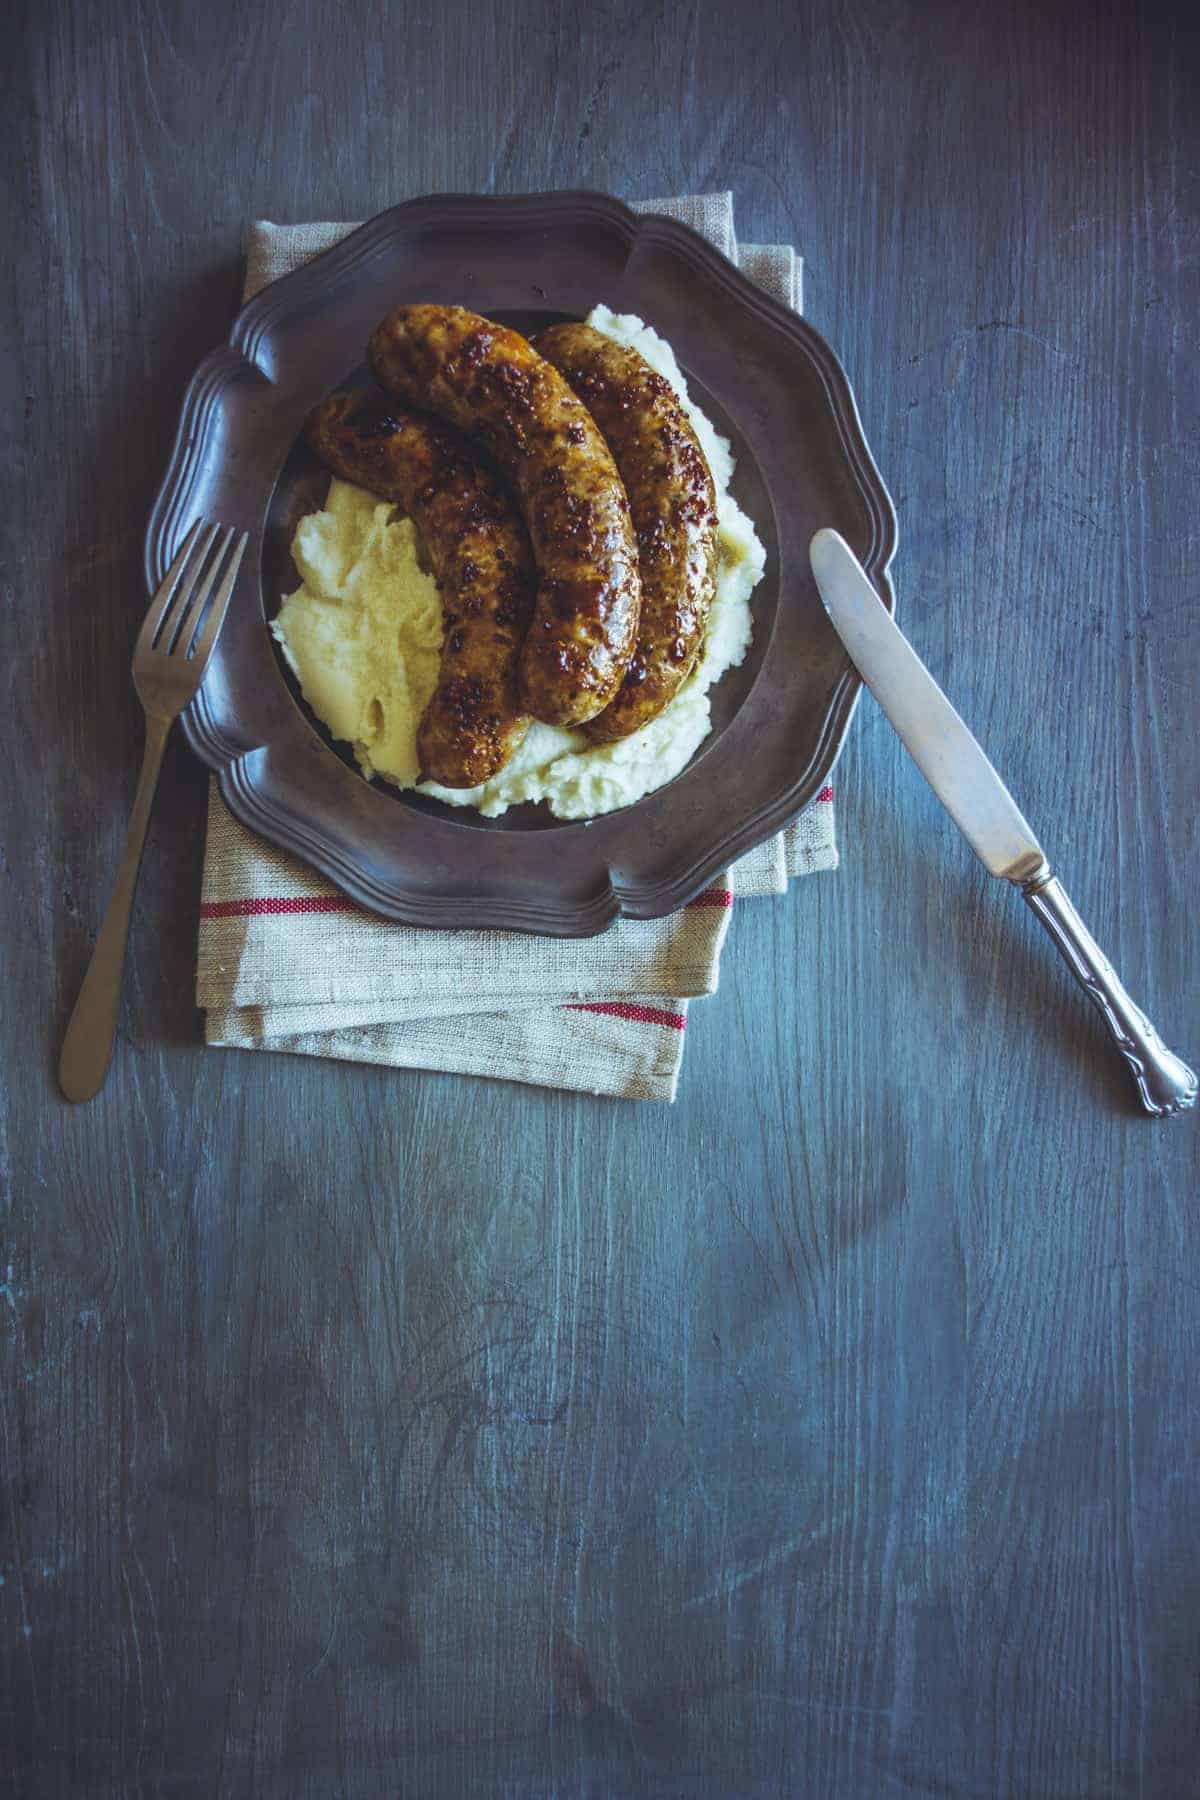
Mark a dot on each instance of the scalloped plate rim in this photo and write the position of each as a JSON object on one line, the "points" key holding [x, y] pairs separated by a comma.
{"points": [[285, 828]]}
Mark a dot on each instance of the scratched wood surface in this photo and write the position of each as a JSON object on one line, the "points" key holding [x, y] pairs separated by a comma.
{"points": [[835, 1431]]}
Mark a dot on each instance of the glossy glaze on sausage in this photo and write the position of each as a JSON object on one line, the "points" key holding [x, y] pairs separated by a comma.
{"points": [[674, 506], [479, 554], [491, 384]]}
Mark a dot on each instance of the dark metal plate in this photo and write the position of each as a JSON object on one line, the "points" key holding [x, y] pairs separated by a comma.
{"points": [[767, 380]]}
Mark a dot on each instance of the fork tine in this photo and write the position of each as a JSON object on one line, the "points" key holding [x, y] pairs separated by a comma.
{"points": [[162, 622], [181, 624], [169, 586], [220, 606]]}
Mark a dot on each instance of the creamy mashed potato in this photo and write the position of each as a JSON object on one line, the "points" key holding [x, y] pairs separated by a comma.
{"points": [[363, 634]]}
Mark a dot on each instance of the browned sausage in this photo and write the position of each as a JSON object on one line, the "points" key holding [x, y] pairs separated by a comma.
{"points": [[481, 561], [490, 383], [674, 507]]}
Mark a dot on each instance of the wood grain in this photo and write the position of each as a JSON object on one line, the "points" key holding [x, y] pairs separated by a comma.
{"points": [[834, 1431]]}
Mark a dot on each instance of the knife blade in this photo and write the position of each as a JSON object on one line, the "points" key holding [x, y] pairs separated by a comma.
{"points": [[960, 774], [938, 740]]}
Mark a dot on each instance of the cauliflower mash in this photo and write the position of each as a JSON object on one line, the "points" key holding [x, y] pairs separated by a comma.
{"points": [[363, 635]]}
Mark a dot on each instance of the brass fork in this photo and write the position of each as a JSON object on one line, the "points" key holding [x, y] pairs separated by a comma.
{"points": [[169, 661]]}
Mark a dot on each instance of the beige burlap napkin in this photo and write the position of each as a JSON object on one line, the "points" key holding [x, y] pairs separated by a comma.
{"points": [[286, 962]]}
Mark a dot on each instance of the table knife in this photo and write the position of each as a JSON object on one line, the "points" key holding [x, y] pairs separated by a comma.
{"points": [[985, 812]]}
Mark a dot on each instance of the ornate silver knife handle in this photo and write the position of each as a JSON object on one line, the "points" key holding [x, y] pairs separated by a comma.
{"points": [[1165, 1083]]}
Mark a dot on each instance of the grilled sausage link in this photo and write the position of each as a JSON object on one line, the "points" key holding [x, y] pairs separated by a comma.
{"points": [[674, 505], [481, 561], [490, 383]]}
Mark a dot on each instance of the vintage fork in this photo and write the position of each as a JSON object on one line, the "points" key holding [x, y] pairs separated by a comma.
{"points": [[169, 661]]}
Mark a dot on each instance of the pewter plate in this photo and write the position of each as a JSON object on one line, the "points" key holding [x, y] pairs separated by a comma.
{"points": [[767, 380]]}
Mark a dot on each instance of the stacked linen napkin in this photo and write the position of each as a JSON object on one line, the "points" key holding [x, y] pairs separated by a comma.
{"points": [[286, 962]]}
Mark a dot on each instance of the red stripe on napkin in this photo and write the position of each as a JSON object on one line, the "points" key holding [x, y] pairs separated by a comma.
{"points": [[337, 903], [713, 897], [625, 1009], [307, 903]]}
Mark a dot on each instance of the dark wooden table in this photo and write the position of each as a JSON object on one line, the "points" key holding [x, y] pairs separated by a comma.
{"points": [[833, 1432]]}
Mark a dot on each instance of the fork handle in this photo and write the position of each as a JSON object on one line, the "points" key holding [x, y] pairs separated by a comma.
{"points": [[88, 1046], [1165, 1084]]}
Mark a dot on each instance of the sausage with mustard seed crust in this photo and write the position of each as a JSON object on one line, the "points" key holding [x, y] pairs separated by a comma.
{"points": [[491, 384], [674, 505], [480, 556]]}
